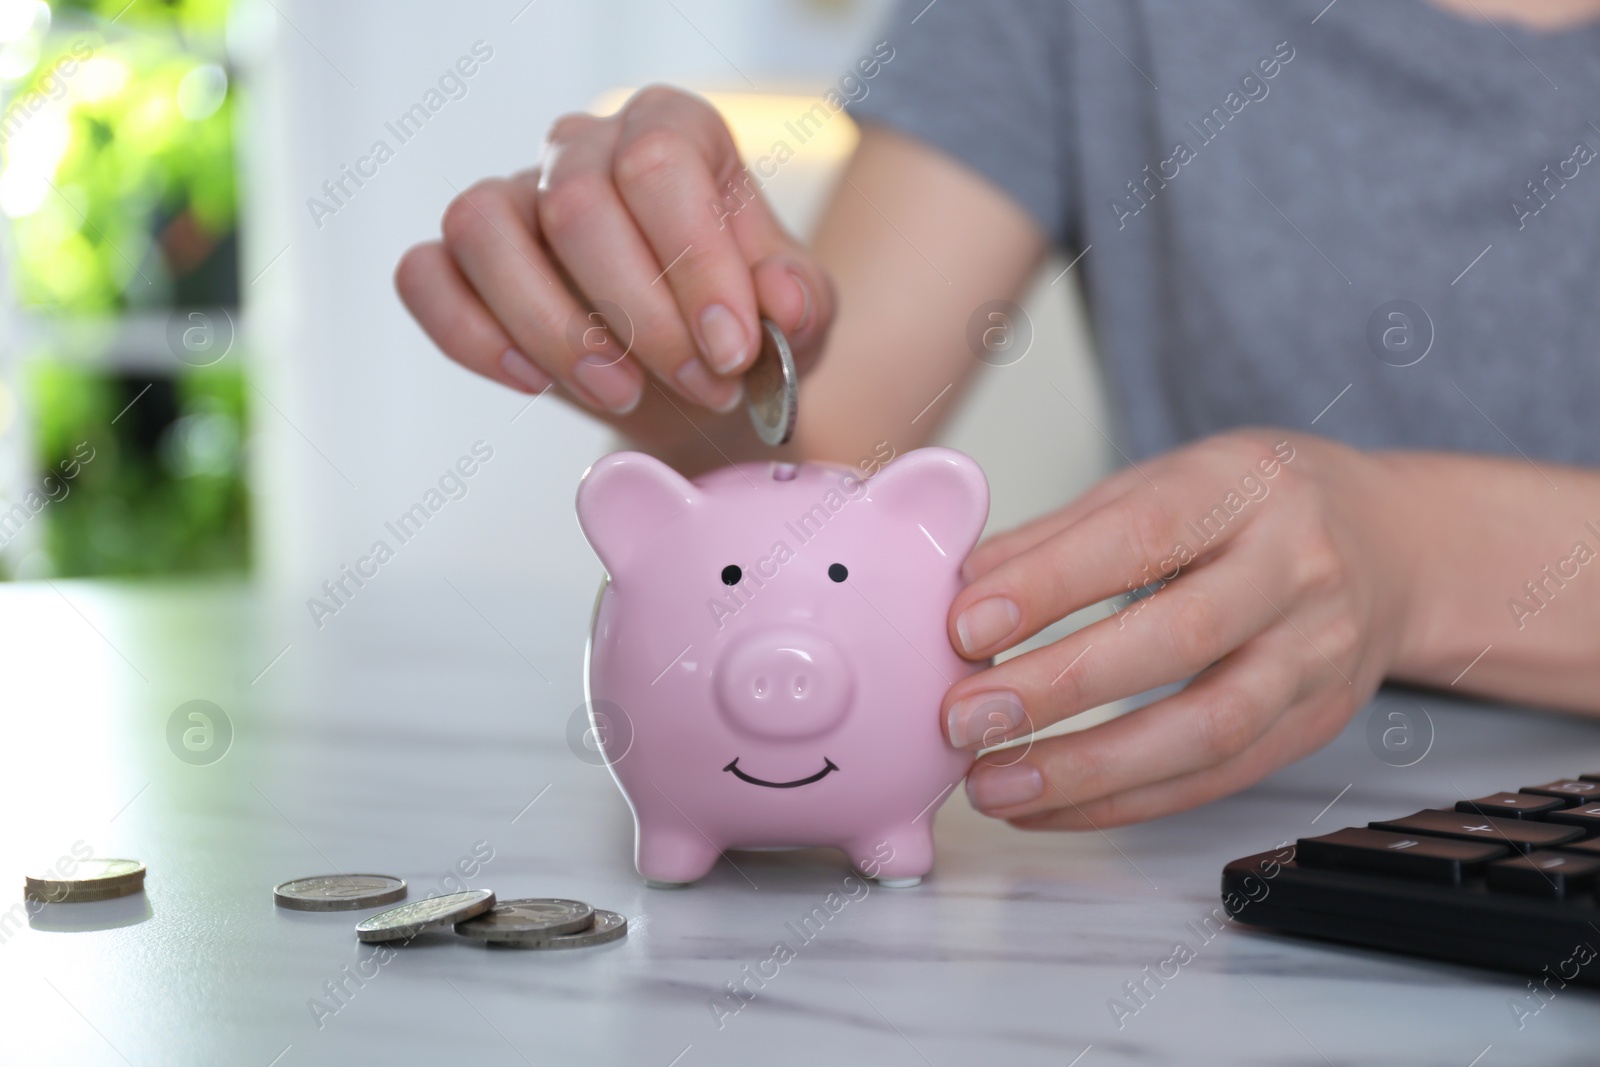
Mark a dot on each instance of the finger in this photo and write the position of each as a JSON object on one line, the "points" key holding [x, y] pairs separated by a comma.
{"points": [[792, 288], [1003, 546], [794, 292], [671, 150], [1138, 538], [489, 239], [1217, 716], [449, 312], [1179, 630], [790, 285], [523, 187], [593, 236], [434, 290], [1297, 734]]}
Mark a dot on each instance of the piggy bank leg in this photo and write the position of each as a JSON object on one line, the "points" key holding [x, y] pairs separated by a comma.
{"points": [[668, 853], [898, 858]]}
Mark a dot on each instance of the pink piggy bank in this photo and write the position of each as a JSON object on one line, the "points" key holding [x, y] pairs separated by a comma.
{"points": [[770, 651]]}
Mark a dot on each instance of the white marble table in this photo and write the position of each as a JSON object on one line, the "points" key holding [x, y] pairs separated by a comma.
{"points": [[428, 722]]}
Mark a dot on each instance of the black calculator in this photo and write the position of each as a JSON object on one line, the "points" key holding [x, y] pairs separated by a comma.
{"points": [[1507, 881]]}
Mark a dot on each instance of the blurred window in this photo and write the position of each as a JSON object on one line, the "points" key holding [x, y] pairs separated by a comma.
{"points": [[122, 409]]}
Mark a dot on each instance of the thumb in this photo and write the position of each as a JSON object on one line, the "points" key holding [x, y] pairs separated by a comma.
{"points": [[792, 287], [794, 291]]}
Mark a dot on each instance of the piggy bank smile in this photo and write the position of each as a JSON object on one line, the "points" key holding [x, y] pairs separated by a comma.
{"points": [[828, 767], [760, 621]]}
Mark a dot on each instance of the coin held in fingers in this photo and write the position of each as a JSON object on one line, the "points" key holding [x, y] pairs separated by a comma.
{"points": [[772, 387]]}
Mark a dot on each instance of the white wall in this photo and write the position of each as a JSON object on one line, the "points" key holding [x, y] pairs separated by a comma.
{"points": [[358, 415]]}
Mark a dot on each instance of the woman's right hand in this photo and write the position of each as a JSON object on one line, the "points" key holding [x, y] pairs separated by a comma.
{"points": [[639, 247]]}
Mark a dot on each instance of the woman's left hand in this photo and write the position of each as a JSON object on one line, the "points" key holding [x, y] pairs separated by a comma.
{"points": [[1274, 573]]}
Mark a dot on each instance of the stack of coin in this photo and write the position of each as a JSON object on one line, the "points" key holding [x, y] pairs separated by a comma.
{"points": [[92, 879], [475, 914], [544, 923]]}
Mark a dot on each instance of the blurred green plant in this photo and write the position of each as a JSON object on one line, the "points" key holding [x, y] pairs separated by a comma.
{"points": [[117, 182], [191, 15], [165, 492], [119, 179]]}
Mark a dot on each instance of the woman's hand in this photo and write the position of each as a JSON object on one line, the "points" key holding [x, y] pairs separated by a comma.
{"points": [[1277, 575], [639, 248]]}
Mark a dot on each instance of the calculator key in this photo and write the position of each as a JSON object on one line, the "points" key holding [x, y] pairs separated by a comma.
{"points": [[1568, 789], [1524, 835], [1590, 777], [1420, 856], [1543, 874], [1590, 847], [1511, 805], [1584, 815]]}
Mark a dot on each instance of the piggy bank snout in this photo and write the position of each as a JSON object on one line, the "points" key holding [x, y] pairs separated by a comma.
{"points": [[784, 683]]}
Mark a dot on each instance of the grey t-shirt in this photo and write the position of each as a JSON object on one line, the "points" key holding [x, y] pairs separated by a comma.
{"points": [[1253, 185]]}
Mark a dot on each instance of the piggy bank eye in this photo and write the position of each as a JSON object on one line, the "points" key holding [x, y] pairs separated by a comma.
{"points": [[837, 572], [731, 574]]}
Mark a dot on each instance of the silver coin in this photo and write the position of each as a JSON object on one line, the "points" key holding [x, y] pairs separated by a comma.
{"points": [[772, 387], [408, 920], [528, 918], [608, 926], [92, 879], [339, 892]]}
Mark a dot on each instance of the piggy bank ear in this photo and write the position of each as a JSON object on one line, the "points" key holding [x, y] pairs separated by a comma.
{"points": [[939, 489], [623, 501]]}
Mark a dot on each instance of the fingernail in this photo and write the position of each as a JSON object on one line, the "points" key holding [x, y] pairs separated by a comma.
{"points": [[805, 292], [990, 787], [617, 390], [722, 339], [522, 370], [986, 623], [700, 385], [984, 719]]}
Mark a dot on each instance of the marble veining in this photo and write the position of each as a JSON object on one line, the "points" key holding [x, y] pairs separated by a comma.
{"points": [[404, 737]]}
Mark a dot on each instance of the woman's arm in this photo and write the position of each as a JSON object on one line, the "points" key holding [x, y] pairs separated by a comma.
{"points": [[1505, 559]]}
